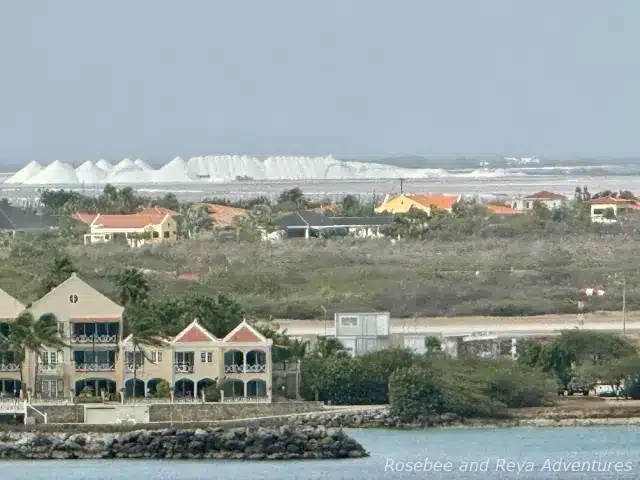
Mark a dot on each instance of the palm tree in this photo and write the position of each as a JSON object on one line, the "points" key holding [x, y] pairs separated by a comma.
{"points": [[142, 324], [28, 334], [195, 219], [131, 286], [61, 270]]}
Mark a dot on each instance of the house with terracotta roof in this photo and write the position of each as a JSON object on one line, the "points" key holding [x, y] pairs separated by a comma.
{"points": [[548, 199], [501, 209], [157, 211], [607, 209], [403, 203], [222, 215], [195, 359], [134, 229]]}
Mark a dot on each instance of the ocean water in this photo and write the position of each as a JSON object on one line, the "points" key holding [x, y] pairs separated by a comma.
{"points": [[541, 454]]}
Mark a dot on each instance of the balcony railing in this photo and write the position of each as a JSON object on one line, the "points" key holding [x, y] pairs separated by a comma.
{"points": [[95, 367], [245, 368], [93, 339], [183, 368], [246, 400], [130, 368], [9, 367], [48, 369]]}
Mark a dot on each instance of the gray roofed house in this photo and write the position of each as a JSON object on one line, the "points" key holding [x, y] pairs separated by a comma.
{"points": [[305, 222], [18, 220]]}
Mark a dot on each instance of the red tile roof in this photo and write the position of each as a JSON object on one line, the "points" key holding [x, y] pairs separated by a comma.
{"points": [[545, 195], [501, 209], [223, 215], [194, 334], [611, 200], [84, 217], [244, 335], [136, 220], [157, 210], [440, 201]]}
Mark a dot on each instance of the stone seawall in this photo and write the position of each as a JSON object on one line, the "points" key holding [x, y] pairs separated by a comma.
{"points": [[215, 412], [283, 443], [187, 412]]}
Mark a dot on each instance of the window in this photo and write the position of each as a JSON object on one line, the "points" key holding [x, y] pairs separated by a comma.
{"points": [[50, 358], [349, 321], [206, 357], [156, 235], [167, 234], [156, 356], [526, 204], [129, 358], [73, 298]]}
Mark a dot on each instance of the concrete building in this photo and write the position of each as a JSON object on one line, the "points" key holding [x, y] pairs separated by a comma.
{"points": [[548, 199], [362, 333], [136, 229]]}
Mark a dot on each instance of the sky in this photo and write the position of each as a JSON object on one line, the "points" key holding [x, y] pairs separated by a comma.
{"points": [[159, 78]]}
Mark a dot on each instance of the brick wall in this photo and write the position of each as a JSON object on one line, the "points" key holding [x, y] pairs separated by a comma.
{"points": [[213, 412]]}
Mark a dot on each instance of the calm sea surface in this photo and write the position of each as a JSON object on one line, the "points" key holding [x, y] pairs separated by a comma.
{"points": [[495, 451]]}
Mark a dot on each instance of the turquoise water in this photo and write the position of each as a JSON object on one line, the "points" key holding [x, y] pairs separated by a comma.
{"points": [[496, 451]]}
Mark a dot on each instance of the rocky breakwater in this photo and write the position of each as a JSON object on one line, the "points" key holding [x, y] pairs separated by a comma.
{"points": [[283, 443], [382, 418]]}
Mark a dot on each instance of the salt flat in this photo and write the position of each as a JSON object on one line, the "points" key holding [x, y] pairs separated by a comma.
{"points": [[366, 188]]}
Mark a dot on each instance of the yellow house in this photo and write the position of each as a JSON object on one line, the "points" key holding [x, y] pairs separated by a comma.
{"points": [[599, 207], [404, 203], [89, 323], [136, 229], [196, 359]]}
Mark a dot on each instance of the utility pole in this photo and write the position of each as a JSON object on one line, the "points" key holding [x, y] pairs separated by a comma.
{"points": [[325, 319], [402, 185], [623, 283]]}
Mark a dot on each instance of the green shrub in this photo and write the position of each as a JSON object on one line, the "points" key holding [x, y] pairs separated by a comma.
{"points": [[163, 389]]}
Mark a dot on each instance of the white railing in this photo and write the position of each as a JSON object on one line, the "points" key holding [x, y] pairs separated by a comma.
{"points": [[94, 339], [12, 405], [95, 367], [51, 401], [245, 368], [129, 367], [9, 367], [183, 368], [48, 369], [246, 399]]}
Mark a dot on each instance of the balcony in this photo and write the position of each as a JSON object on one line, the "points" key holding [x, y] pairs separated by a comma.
{"points": [[95, 367], [130, 367], [9, 367], [245, 368], [94, 339], [183, 368]]}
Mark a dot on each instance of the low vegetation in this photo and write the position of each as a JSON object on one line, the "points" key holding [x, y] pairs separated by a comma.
{"points": [[422, 386], [464, 263]]}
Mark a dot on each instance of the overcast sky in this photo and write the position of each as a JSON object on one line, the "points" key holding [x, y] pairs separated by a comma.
{"points": [[158, 78]]}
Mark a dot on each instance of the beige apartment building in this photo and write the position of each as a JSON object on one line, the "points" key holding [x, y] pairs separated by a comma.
{"points": [[91, 326], [195, 359]]}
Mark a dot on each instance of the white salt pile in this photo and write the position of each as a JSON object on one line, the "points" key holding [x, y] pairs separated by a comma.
{"points": [[57, 173], [104, 165], [175, 171], [142, 164], [29, 171], [88, 172], [125, 164]]}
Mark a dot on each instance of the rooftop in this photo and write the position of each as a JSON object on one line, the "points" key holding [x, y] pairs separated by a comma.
{"points": [[439, 200], [136, 220], [545, 195], [223, 215]]}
